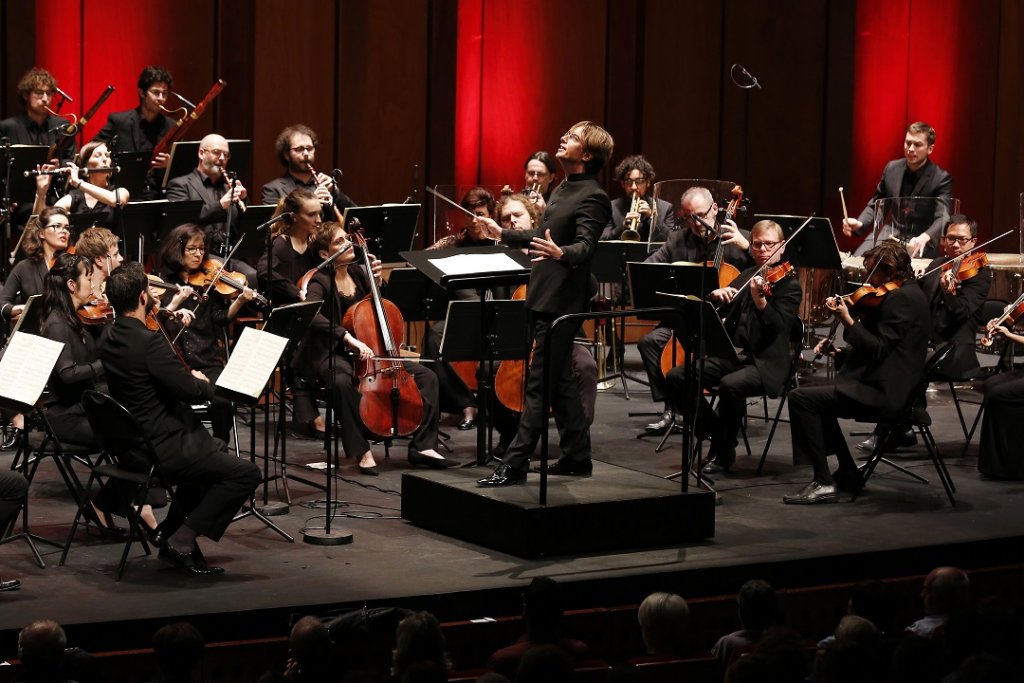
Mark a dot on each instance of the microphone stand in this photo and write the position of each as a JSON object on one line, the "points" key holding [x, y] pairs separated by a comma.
{"points": [[5, 205]]}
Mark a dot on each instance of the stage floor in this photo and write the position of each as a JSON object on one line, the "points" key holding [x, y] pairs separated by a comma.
{"points": [[897, 526]]}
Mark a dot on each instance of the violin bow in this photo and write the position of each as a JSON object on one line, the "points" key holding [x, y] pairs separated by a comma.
{"points": [[760, 271], [950, 259]]}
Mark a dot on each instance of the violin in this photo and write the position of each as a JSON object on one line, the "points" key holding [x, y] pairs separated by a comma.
{"points": [[774, 274], [961, 269], [96, 312], [391, 402], [863, 297], [1011, 314], [212, 275]]}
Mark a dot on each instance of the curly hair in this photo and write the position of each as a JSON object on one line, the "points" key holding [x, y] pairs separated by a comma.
{"points": [[36, 79], [284, 140], [531, 208], [892, 260], [154, 74], [634, 162]]}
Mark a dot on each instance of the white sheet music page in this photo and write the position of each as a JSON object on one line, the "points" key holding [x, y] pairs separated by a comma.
{"points": [[26, 366], [253, 360], [468, 264]]}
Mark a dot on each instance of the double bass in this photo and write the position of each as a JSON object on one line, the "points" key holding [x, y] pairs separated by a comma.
{"points": [[391, 402]]}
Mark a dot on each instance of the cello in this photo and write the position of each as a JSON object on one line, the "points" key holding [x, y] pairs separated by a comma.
{"points": [[391, 402], [510, 379]]}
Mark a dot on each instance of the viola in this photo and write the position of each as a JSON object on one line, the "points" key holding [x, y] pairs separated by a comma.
{"points": [[212, 275], [96, 312], [1011, 314], [863, 297], [963, 268], [774, 274], [391, 402]]}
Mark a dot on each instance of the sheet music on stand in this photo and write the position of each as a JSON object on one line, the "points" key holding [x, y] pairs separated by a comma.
{"points": [[389, 229], [253, 360], [25, 368], [467, 266]]}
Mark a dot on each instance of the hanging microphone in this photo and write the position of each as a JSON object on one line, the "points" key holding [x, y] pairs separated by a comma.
{"points": [[63, 94], [183, 100], [750, 77]]}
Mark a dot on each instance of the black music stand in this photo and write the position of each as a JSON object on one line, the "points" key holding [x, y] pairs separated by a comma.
{"points": [[139, 221], [389, 230], [178, 213], [291, 322], [483, 279], [507, 320], [699, 324], [253, 217], [25, 158], [82, 221], [609, 265], [814, 247], [132, 169]]}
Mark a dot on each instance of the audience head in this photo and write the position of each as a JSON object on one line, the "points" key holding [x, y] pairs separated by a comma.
{"points": [[870, 599], [777, 658], [41, 647], [311, 648], [418, 638], [542, 609], [946, 590], [758, 605], [663, 621], [178, 648], [544, 664]]}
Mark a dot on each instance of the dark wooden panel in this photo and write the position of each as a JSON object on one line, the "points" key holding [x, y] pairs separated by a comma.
{"points": [[233, 115], [1008, 165], [839, 108], [682, 87], [625, 101], [294, 74], [440, 146], [18, 50], [381, 125]]}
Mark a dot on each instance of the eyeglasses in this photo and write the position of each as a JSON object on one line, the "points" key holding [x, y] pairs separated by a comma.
{"points": [[59, 227], [303, 149], [959, 240], [194, 250], [43, 93], [569, 135], [630, 182], [766, 245], [693, 216], [218, 153]]}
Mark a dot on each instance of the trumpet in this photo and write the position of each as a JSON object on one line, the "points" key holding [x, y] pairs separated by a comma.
{"points": [[65, 170], [631, 233]]}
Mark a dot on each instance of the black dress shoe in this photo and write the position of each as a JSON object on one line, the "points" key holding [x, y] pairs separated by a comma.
{"points": [[12, 439], [571, 468], [157, 537], [416, 459], [868, 444], [370, 471], [815, 492], [503, 476], [10, 585], [467, 424], [192, 563], [714, 467]]}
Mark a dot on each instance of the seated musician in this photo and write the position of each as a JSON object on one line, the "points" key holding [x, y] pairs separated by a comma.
{"points": [[99, 245], [691, 243], [223, 198], [296, 150], [312, 360], [999, 454], [882, 363], [291, 259], [539, 172], [758, 322], [202, 342], [144, 375], [454, 394], [93, 193], [140, 129], [38, 125], [636, 175]]}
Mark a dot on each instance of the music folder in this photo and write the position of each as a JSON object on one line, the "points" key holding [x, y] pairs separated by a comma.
{"points": [[253, 360], [25, 367]]}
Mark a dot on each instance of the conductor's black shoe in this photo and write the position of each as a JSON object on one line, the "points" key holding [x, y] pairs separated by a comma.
{"points": [[570, 468], [503, 476], [814, 492], [9, 585], [192, 562], [467, 424]]}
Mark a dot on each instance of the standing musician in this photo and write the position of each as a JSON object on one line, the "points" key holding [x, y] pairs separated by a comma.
{"points": [[636, 175], [291, 259], [87, 193], [692, 244], [915, 175], [296, 150], [881, 365], [153, 385], [202, 342], [39, 125], [454, 394], [999, 454], [562, 247], [140, 129], [539, 173], [45, 237], [312, 360], [759, 321]]}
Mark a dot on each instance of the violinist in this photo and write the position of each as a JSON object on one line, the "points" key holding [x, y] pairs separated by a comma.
{"points": [[999, 454], [636, 176], [291, 259], [91, 193], [454, 394], [694, 244], [296, 150], [45, 237], [882, 363], [562, 247], [202, 342], [146, 377], [352, 285], [758, 320], [100, 246]]}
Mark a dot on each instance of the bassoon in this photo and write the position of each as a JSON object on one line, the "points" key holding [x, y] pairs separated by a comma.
{"points": [[183, 124]]}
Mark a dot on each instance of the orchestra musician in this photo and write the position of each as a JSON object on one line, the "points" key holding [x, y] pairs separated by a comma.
{"points": [[291, 259], [38, 125], [202, 341], [882, 363], [45, 237], [691, 243], [915, 175], [140, 129], [999, 455], [100, 246], [312, 359], [562, 247], [296, 150], [759, 322], [539, 171], [454, 394], [146, 377], [636, 176], [13, 493], [87, 193]]}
